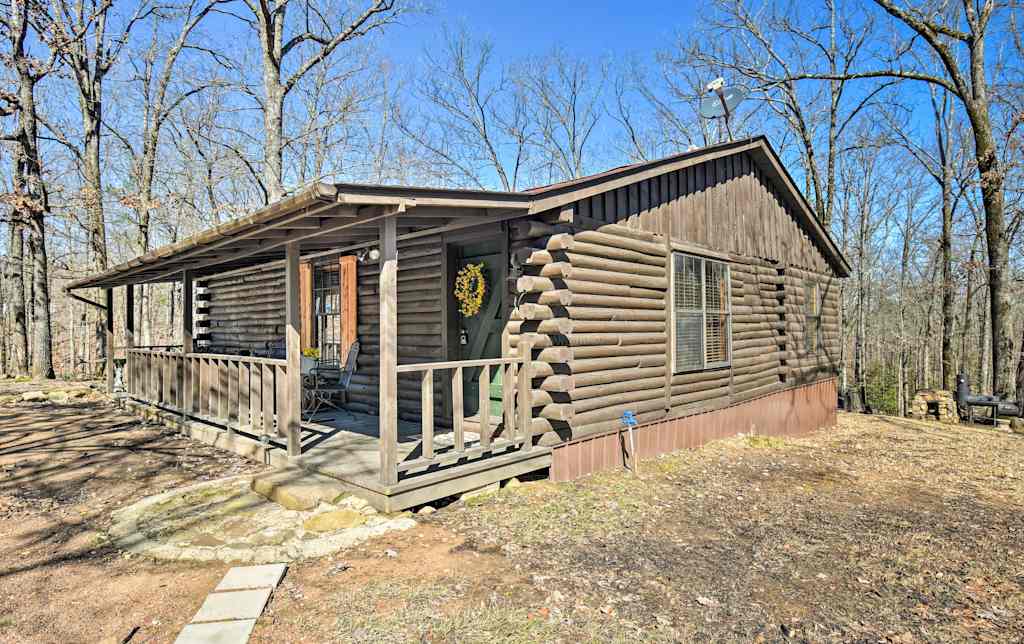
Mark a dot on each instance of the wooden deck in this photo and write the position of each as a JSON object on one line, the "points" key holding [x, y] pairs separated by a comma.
{"points": [[345, 446]]}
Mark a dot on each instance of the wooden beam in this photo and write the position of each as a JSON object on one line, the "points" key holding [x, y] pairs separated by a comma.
{"points": [[187, 330], [388, 341], [291, 409], [374, 215], [108, 294]]}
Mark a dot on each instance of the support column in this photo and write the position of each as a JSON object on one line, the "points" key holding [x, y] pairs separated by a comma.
{"points": [[187, 328], [388, 352], [129, 334], [108, 332], [291, 408]]}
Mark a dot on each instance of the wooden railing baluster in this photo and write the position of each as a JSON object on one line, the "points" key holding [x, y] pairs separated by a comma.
{"points": [[484, 402], [427, 412], [458, 431]]}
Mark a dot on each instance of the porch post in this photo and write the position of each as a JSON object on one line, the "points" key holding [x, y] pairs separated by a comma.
{"points": [[187, 337], [388, 352], [129, 316], [129, 334], [108, 331], [291, 408]]}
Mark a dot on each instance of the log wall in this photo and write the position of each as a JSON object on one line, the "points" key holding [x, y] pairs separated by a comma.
{"points": [[421, 337], [245, 311]]}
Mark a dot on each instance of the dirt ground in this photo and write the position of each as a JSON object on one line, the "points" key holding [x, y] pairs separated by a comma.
{"points": [[63, 468], [881, 529]]}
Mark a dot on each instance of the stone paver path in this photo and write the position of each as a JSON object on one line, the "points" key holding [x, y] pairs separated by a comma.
{"points": [[230, 612]]}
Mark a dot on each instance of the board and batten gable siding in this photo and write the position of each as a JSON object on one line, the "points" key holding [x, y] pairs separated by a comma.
{"points": [[726, 204]]}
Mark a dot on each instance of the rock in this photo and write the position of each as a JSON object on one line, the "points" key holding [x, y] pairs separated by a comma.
{"points": [[80, 392], [427, 509], [934, 404], [296, 489], [480, 492], [1017, 425], [59, 397], [33, 396], [336, 520]]}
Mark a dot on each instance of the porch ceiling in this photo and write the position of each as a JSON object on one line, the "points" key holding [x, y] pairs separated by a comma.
{"points": [[323, 218]]}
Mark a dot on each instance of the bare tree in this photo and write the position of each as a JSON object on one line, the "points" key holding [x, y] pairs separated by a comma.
{"points": [[29, 198], [766, 48], [154, 72], [287, 59], [942, 30], [474, 124], [564, 97]]}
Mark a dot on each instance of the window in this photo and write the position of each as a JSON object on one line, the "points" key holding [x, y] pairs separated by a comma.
{"points": [[700, 301], [812, 316], [327, 309]]}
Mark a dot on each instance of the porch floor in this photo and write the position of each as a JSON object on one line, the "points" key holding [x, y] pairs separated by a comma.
{"points": [[344, 445]]}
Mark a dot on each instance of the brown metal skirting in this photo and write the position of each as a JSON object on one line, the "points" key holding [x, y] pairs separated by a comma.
{"points": [[790, 412]]}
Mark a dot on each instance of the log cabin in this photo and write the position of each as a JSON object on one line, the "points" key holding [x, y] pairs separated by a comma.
{"points": [[698, 292]]}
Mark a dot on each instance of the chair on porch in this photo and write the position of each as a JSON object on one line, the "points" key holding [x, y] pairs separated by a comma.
{"points": [[327, 381]]}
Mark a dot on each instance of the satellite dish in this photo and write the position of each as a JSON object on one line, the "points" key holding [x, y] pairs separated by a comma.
{"points": [[722, 104], [721, 101]]}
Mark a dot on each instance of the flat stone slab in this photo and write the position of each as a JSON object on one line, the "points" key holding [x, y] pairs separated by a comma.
{"points": [[217, 633], [242, 604], [225, 520], [297, 489], [248, 577]]}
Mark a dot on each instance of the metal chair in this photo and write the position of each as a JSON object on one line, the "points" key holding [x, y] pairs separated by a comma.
{"points": [[327, 381]]}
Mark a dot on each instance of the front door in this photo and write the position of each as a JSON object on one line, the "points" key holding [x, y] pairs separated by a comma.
{"points": [[479, 336]]}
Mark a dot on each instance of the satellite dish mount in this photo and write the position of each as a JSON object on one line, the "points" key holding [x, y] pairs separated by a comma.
{"points": [[721, 102]]}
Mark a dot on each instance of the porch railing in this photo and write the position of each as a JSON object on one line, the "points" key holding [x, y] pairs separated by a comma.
{"points": [[516, 409], [239, 392]]}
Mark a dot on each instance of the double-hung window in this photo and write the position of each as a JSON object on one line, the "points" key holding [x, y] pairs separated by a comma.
{"points": [[701, 312], [326, 306], [812, 316]]}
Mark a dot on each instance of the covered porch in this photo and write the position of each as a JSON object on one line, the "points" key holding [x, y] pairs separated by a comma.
{"points": [[253, 404]]}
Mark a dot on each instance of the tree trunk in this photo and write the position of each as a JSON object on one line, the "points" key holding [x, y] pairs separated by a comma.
{"points": [[946, 244], [1020, 374], [42, 338], [273, 133], [15, 266]]}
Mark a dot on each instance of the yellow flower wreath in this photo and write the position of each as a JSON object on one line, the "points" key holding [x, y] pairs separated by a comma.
{"points": [[470, 289]]}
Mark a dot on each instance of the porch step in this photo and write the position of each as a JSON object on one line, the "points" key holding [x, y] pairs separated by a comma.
{"points": [[296, 488]]}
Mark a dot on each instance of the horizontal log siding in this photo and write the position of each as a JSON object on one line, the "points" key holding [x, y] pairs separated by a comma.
{"points": [[804, 366], [245, 310], [420, 327], [593, 304], [726, 205]]}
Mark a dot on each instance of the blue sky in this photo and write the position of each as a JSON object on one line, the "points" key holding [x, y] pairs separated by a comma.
{"points": [[605, 28]]}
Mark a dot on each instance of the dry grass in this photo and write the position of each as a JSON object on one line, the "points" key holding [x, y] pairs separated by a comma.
{"points": [[878, 530]]}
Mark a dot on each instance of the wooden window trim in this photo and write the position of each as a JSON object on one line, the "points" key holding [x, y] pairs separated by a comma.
{"points": [[704, 260], [814, 315]]}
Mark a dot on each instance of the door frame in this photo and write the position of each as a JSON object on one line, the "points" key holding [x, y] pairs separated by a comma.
{"points": [[449, 311]]}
